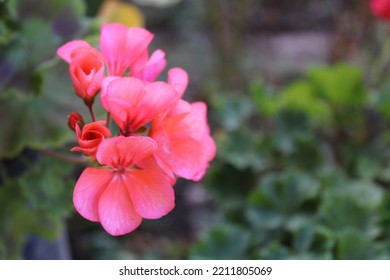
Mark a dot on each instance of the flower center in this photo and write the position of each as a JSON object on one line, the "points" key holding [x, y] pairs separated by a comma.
{"points": [[120, 169]]}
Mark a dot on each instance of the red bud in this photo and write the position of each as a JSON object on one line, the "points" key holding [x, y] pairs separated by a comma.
{"points": [[73, 119]]}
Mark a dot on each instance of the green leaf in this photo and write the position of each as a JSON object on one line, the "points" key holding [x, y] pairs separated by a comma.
{"points": [[265, 102], [16, 219], [39, 121], [288, 191], [351, 204], [354, 245], [301, 97], [241, 149], [341, 84], [39, 46], [223, 243], [263, 218], [51, 190], [303, 238], [36, 202], [275, 251], [232, 110], [229, 183]]}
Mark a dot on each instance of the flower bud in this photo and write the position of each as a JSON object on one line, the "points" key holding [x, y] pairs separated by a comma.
{"points": [[90, 136], [73, 119]]}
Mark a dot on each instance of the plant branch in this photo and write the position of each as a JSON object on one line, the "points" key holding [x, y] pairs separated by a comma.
{"points": [[64, 157]]}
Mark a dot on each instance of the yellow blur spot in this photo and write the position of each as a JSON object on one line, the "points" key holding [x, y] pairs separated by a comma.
{"points": [[125, 13]]}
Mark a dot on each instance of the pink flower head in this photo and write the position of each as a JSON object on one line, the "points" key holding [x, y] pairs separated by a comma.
{"points": [[381, 8], [136, 174], [132, 103], [148, 69], [122, 46], [87, 72], [89, 137], [86, 68], [121, 195], [185, 146]]}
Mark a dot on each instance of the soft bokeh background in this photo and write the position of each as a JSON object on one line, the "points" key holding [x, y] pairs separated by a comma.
{"points": [[299, 105]]}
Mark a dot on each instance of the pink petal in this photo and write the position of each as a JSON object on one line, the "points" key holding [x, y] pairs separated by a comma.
{"points": [[133, 104], [184, 141], [138, 40], [191, 158], [151, 192], [103, 95], [137, 69], [123, 151], [88, 189], [121, 46], [187, 120], [65, 51], [154, 66], [116, 210], [199, 112], [163, 155], [178, 78]]}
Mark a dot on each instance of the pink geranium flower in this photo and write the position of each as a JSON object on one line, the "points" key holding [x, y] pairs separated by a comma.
{"points": [[132, 103], [185, 146], [122, 46], [121, 195], [136, 174]]}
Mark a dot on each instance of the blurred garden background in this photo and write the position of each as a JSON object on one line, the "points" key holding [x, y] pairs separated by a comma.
{"points": [[298, 96]]}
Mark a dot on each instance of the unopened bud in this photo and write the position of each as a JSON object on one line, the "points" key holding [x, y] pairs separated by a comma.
{"points": [[73, 119]]}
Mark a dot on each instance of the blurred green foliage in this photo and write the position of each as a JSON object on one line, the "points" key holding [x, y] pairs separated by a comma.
{"points": [[35, 98], [36, 94], [301, 172]]}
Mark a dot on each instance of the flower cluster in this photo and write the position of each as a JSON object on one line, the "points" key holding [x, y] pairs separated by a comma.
{"points": [[160, 136]]}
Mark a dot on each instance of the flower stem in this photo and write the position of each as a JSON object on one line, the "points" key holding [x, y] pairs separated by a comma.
{"points": [[90, 108], [64, 157], [108, 118]]}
